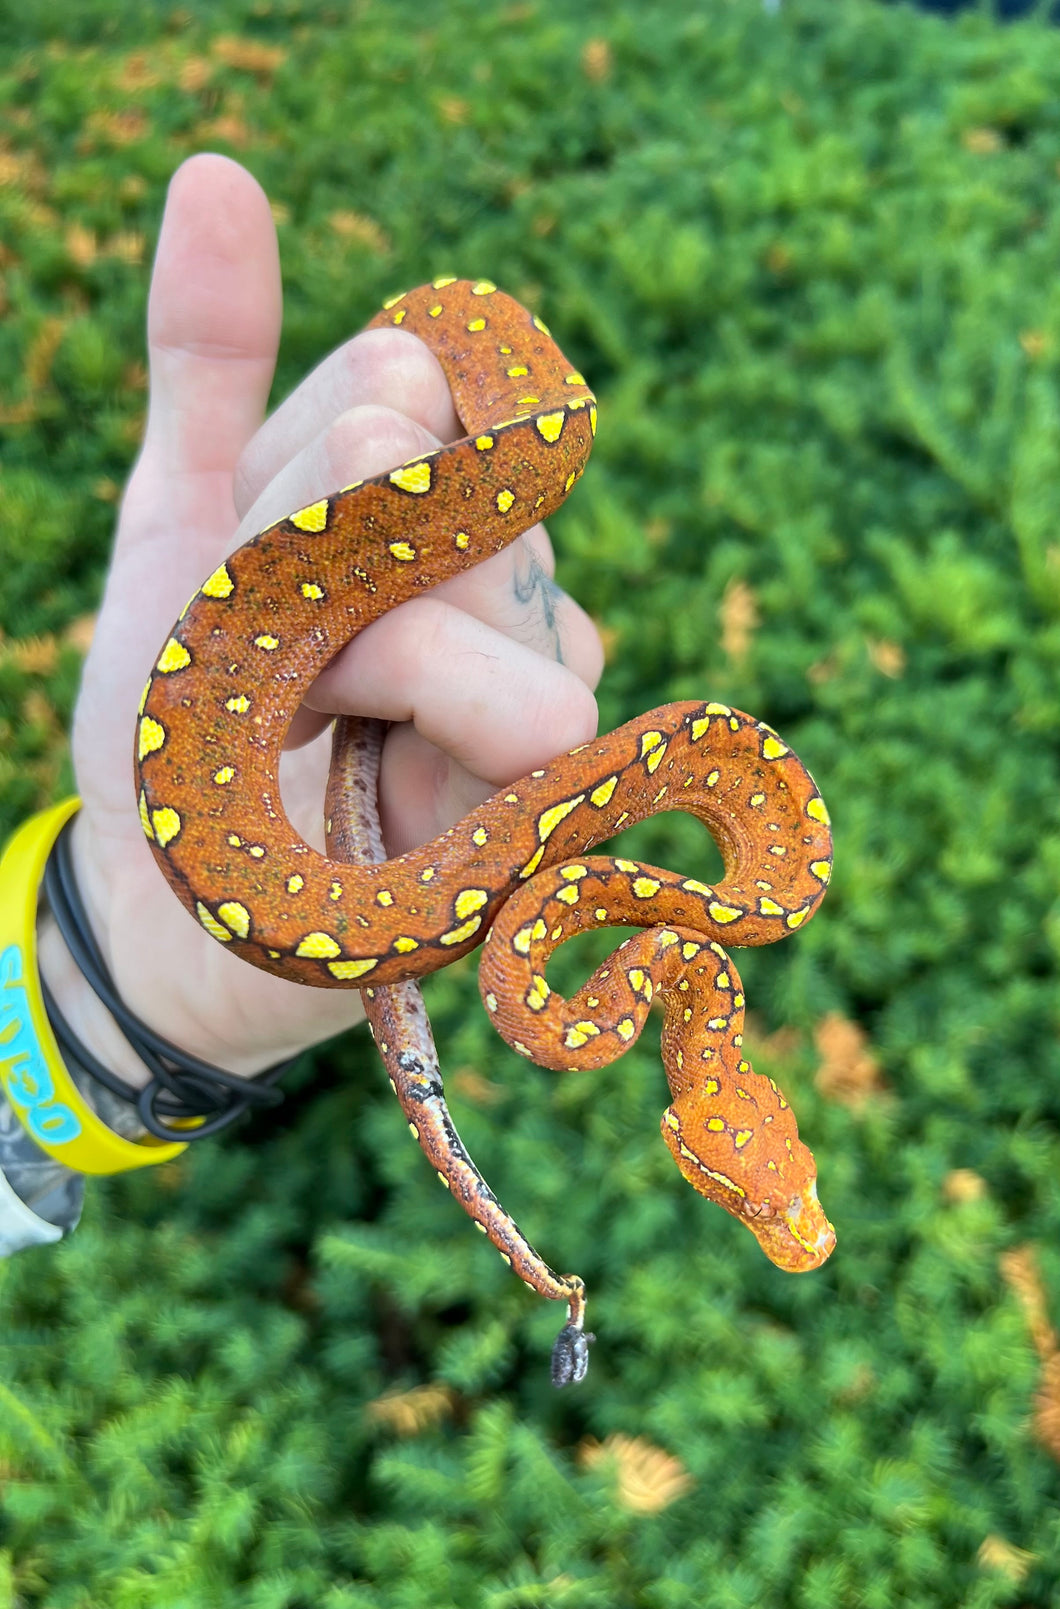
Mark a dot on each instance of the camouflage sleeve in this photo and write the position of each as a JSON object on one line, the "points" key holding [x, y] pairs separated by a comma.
{"points": [[40, 1198]]}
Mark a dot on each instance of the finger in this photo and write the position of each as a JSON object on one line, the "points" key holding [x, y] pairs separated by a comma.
{"points": [[494, 705], [213, 330], [513, 591], [213, 319], [379, 368]]}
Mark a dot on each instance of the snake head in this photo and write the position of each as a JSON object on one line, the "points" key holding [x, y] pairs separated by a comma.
{"points": [[759, 1171]]}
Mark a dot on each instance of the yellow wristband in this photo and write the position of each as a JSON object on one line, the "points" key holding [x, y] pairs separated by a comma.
{"points": [[46, 1100]]}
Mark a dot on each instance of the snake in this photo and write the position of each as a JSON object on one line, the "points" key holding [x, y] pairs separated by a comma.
{"points": [[516, 875]]}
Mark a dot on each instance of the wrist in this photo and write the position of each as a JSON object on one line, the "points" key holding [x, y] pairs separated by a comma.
{"points": [[86, 1014]]}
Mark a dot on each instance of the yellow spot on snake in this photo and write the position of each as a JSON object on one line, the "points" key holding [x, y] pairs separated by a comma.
{"points": [[550, 425], [521, 940], [469, 900], [769, 907], [569, 482], [144, 819], [152, 737], [211, 924], [403, 550], [480, 836], [267, 642], [346, 971], [167, 824], [392, 301], [602, 795], [442, 281], [505, 499], [295, 883], [645, 887], [568, 895], [695, 887], [538, 993], [716, 1125], [457, 935], [312, 519], [238, 704], [580, 1034], [574, 379], [549, 820], [483, 287], [815, 808], [821, 869], [491, 1002], [413, 477], [144, 697], [700, 727], [427, 874], [476, 325], [517, 372], [462, 541], [312, 591], [405, 945], [773, 748], [712, 779], [335, 891], [689, 949], [235, 917], [741, 1137], [757, 800], [573, 874], [626, 1028], [175, 656], [629, 866], [484, 443], [219, 585], [384, 897], [723, 913], [317, 947], [796, 918], [434, 312], [592, 418], [533, 863], [539, 324]]}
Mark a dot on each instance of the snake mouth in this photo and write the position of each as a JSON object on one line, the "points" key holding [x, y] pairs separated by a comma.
{"points": [[797, 1237]]}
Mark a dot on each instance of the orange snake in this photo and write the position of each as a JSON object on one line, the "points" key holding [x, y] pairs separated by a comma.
{"points": [[514, 874]]}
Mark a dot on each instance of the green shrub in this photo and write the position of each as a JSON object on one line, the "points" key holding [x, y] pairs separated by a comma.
{"points": [[809, 262]]}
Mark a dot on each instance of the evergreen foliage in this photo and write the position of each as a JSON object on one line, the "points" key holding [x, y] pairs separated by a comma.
{"points": [[808, 260]]}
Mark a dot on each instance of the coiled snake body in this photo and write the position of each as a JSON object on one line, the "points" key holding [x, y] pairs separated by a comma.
{"points": [[514, 873]]}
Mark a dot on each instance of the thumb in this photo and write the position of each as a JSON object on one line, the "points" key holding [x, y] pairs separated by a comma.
{"points": [[213, 329]]}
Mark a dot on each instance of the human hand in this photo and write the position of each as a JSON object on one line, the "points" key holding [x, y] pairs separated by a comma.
{"points": [[486, 677]]}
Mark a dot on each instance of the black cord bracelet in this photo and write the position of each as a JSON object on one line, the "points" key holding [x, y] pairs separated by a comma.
{"points": [[181, 1086]]}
